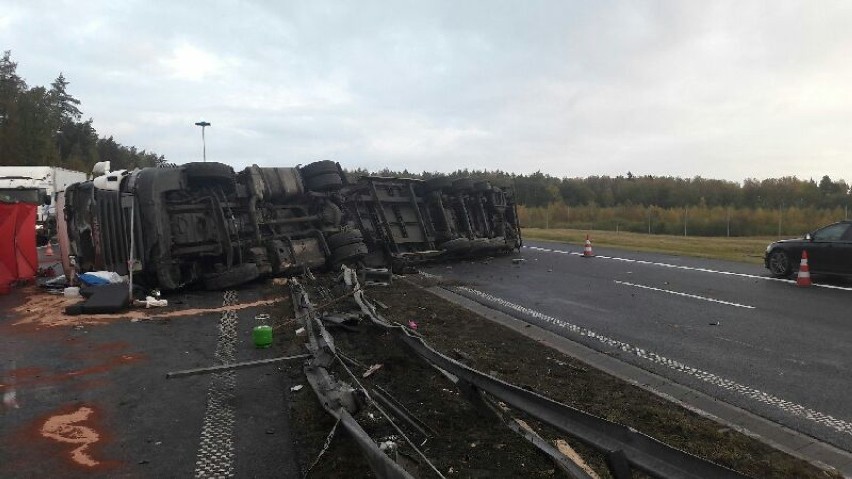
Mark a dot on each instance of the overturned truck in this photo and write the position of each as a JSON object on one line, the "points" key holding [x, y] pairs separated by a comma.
{"points": [[204, 223], [407, 221]]}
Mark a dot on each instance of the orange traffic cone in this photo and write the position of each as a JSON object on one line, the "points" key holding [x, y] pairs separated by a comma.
{"points": [[804, 276], [49, 250], [587, 251]]}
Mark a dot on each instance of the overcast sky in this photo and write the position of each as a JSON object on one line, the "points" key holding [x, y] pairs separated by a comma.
{"points": [[712, 88]]}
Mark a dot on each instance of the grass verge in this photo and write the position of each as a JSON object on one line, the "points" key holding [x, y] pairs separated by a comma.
{"points": [[743, 249]]}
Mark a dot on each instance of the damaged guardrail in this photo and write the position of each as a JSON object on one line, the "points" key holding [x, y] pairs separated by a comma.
{"points": [[339, 398], [624, 447]]}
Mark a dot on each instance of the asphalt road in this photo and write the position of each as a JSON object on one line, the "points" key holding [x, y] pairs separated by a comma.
{"points": [[723, 328], [84, 399]]}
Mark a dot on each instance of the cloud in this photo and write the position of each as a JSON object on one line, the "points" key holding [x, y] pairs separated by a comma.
{"points": [[720, 89], [188, 62]]}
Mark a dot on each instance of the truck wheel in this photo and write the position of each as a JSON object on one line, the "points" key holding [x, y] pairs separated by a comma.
{"points": [[235, 276], [217, 173], [324, 182], [331, 214], [344, 238], [348, 253], [317, 168], [212, 171]]}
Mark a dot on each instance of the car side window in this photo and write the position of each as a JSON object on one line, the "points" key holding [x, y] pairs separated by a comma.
{"points": [[847, 236], [831, 232]]}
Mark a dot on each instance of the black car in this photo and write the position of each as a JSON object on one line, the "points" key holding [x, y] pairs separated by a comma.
{"points": [[829, 252]]}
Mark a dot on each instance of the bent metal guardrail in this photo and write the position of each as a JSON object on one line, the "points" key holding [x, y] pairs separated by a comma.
{"points": [[620, 443]]}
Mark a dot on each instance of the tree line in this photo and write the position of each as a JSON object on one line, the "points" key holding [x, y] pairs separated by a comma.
{"points": [[42, 126], [669, 205], [539, 190]]}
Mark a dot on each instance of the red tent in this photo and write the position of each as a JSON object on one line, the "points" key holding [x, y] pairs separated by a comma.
{"points": [[18, 254]]}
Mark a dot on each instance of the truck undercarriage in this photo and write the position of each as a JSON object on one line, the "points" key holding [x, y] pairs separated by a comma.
{"points": [[204, 223]]}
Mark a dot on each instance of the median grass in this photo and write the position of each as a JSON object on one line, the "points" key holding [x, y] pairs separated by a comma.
{"points": [[744, 249]]}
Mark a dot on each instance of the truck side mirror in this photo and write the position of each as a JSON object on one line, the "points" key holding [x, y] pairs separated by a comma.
{"points": [[45, 199]]}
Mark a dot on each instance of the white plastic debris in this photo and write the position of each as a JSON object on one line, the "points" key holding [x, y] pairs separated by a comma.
{"points": [[371, 370], [71, 292], [151, 302], [297, 387], [300, 331]]}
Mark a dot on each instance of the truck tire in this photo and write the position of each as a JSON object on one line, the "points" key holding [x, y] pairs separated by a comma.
{"points": [[235, 276], [324, 182], [213, 171], [349, 253], [344, 238], [317, 168], [217, 173]]}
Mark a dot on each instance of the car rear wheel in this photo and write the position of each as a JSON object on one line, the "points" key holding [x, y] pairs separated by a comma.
{"points": [[780, 264]]}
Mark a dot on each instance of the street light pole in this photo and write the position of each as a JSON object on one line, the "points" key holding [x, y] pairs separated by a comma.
{"points": [[203, 124]]}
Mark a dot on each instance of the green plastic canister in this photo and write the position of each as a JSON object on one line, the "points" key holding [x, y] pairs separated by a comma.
{"points": [[262, 336]]}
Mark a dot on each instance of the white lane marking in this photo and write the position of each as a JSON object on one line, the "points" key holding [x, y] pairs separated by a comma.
{"points": [[215, 458], [749, 392], [685, 295], [690, 268]]}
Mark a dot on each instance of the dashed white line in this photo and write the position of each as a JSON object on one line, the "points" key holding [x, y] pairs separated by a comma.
{"points": [[749, 392], [686, 295], [689, 268]]}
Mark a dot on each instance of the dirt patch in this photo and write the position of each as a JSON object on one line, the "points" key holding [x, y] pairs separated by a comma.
{"points": [[73, 434], [43, 309], [67, 428], [469, 440]]}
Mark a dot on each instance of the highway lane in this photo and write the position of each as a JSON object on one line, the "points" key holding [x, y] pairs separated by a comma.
{"points": [[724, 328]]}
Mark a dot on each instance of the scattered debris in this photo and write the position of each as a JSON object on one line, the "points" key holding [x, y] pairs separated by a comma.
{"points": [[151, 302], [297, 387], [380, 304], [461, 354], [371, 370], [563, 447]]}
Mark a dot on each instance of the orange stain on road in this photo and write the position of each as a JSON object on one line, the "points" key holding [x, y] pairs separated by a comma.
{"points": [[41, 309], [64, 428]]}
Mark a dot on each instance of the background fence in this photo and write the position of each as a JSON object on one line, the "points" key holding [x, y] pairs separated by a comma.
{"points": [[689, 221]]}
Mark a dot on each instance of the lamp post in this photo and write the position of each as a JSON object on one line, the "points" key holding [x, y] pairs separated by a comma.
{"points": [[203, 124]]}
